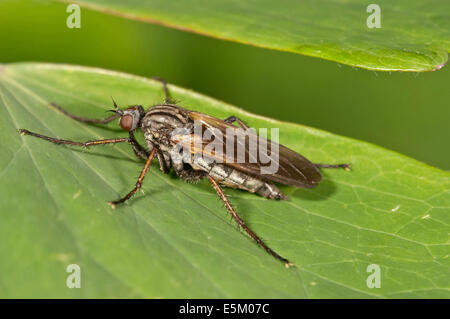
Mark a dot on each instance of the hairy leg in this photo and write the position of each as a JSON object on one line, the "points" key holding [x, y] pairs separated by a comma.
{"points": [[190, 175], [139, 182], [242, 224], [85, 119], [233, 119], [346, 166], [67, 142], [167, 98]]}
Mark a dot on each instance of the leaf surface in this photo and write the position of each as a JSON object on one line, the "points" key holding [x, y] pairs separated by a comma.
{"points": [[175, 239]]}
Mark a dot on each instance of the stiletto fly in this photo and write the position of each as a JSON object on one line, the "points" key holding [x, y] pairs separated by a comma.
{"points": [[168, 128]]}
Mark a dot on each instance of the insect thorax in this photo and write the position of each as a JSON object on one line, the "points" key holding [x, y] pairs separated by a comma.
{"points": [[161, 120]]}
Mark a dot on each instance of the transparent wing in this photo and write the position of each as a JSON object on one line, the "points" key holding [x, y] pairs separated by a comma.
{"points": [[241, 150]]}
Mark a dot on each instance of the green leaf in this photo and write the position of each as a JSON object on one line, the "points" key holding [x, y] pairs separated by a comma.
{"points": [[176, 239], [414, 34]]}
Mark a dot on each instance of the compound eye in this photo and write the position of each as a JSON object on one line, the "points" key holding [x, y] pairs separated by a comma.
{"points": [[126, 122]]}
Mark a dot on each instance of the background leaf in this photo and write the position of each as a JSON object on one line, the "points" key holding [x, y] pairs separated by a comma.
{"points": [[414, 34], [175, 240]]}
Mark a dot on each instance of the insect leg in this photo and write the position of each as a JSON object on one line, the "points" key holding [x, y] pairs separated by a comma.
{"points": [[139, 181], [233, 119], [242, 224], [138, 149], [167, 98], [346, 166], [67, 142], [142, 153], [190, 176], [162, 162], [85, 119]]}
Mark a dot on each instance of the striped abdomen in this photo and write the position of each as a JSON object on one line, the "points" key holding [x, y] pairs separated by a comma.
{"points": [[232, 177]]}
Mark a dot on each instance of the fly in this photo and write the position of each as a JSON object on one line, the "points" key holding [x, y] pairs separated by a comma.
{"points": [[167, 127]]}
